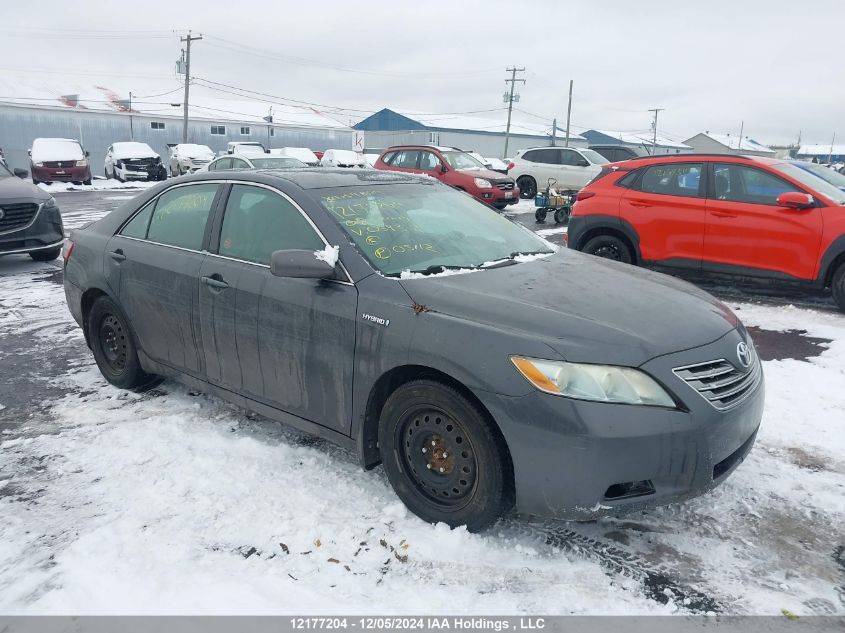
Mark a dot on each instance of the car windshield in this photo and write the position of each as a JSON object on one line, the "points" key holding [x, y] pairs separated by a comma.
{"points": [[825, 173], [593, 156], [5, 172], [278, 162], [425, 228], [462, 160], [811, 181]]}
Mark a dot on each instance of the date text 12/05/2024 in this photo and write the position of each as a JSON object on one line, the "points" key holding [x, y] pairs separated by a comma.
{"points": [[409, 623]]}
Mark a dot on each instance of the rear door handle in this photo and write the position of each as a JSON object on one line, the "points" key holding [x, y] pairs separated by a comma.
{"points": [[215, 283], [117, 255], [641, 205], [722, 214]]}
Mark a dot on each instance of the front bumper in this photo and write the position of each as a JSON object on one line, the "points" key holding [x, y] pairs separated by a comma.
{"points": [[498, 197], [579, 460], [61, 174], [44, 232]]}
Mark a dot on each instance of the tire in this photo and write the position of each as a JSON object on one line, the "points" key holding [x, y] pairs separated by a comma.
{"points": [[113, 345], [106, 173], [35, 181], [76, 183], [837, 285], [540, 215], [46, 255], [609, 247], [561, 215], [86, 182], [472, 484], [527, 187], [115, 176]]}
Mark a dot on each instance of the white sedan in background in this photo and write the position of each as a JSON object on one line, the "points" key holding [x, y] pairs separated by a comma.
{"points": [[131, 160], [343, 158], [186, 158], [253, 161], [302, 153]]}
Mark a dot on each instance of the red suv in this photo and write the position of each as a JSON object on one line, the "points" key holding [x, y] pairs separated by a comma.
{"points": [[745, 216], [453, 167]]}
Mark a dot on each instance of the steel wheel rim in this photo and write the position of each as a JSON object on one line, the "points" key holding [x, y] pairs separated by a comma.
{"points": [[608, 251], [113, 343], [438, 457]]}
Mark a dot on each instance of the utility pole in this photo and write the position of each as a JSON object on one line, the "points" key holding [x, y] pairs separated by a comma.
{"points": [[554, 131], [830, 155], [569, 112], [131, 125], [654, 127], [509, 97], [741, 131], [188, 40]]}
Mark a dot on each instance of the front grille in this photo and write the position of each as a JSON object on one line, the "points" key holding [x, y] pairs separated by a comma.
{"points": [[720, 382], [60, 163], [505, 186], [17, 216], [138, 164]]}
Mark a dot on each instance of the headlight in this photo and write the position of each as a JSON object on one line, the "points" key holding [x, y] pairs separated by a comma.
{"points": [[49, 204], [601, 383], [482, 184], [82, 163], [39, 164]]}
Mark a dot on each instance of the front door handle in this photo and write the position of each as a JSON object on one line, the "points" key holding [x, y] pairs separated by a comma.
{"points": [[117, 255], [641, 205], [722, 214], [215, 282]]}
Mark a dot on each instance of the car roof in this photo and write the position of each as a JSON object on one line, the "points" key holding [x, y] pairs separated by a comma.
{"points": [[683, 158], [315, 177]]}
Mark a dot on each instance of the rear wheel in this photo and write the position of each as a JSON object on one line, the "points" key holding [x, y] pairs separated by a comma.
{"points": [[442, 458], [114, 348], [527, 187], [609, 247], [46, 255], [837, 285], [86, 182]]}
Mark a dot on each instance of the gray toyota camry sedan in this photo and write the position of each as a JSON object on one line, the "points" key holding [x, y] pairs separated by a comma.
{"points": [[417, 327]]}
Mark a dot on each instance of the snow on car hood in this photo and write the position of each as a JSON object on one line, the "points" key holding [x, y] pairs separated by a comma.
{"points": [[586, 308], [51, 149], [188, 150], [133, 150], [302, 153]]}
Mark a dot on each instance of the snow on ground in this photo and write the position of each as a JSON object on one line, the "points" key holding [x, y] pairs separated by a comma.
{"points": [[176, 502], [100, 184]]}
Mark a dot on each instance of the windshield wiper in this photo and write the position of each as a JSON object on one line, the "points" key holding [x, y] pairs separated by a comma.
{"points": [[511, 259], [439, 268]]}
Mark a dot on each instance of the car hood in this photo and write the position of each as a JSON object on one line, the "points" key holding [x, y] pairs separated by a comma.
{"points": [[586, 308], [15, 190], [487, 174]]}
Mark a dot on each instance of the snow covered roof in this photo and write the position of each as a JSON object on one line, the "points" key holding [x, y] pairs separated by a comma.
{"points": [[732, 142], [821, 150], [479, 124], [50, 149], [642, 138], [165, 100], [132, 149]]}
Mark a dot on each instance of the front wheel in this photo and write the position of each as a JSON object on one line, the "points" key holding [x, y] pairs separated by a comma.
{"points": [[527, 187], [837, 285], [46, 255], [114, 348], [87, 182], [609, 247], [442, 457]]}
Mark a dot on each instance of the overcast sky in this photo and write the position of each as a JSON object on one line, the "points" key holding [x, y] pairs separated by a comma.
{"points": [[777, 65]]}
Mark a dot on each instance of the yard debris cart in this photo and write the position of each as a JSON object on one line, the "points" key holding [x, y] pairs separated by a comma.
{"points": [[552, 201]]}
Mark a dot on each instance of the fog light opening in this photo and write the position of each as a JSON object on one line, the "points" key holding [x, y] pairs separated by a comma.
{"points": [[629, 489]]}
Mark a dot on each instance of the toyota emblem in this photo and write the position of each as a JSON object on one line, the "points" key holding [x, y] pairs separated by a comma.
{"points": [[743, 354]]}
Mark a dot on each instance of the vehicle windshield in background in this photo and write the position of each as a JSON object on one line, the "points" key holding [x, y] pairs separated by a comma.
{"points": [[5, 172], [812, 181], [462, 160], [825, 173], [278, 162], [425, 228], [594, 157]]}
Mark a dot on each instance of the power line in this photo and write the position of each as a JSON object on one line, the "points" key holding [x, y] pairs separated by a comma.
{"points": [[509, 98]]}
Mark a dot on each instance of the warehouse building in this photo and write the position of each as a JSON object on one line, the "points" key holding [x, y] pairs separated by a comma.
{"points": [[640, 140], [824, 153], [98, 117], [711, 143], [472, 134]]}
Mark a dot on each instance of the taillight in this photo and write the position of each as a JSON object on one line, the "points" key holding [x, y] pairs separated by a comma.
{"points": [[67, 249], [510, 165], [583, 195]]}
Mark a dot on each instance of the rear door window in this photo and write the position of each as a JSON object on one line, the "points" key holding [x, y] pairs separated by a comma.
{"points": [[549, 156], [407, 159], [739, 183], [181, 215], [675, 179], [258, 222]]}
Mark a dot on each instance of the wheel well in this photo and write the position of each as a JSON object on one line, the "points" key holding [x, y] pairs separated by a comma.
{"points": [[603, 230], [392, 380], [88, 299], [834, 266]]}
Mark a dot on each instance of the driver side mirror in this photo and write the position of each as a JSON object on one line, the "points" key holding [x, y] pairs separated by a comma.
{"points": [[795, 200], [87, 154], [299, 264], [443, 169], [21, 173]]}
